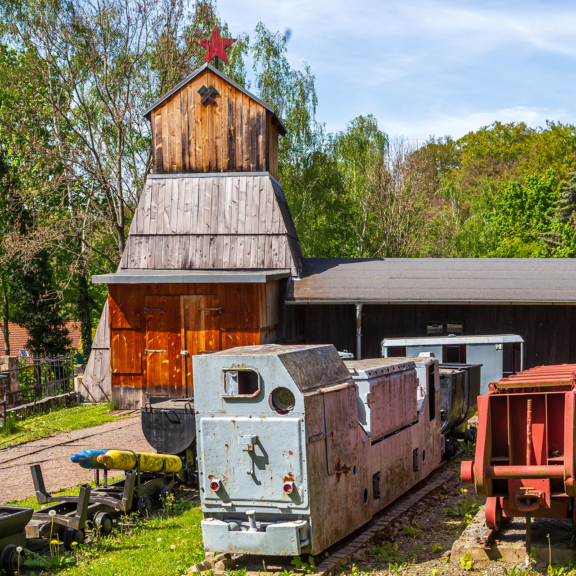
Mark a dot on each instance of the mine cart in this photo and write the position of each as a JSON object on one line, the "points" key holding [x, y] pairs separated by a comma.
{"points": [[524, 462], [69, 517], [170, 428], [98, 505], [472, 381], [13, 520]]}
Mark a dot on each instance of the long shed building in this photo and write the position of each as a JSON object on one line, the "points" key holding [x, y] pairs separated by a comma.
{"points": [[213, 261]]}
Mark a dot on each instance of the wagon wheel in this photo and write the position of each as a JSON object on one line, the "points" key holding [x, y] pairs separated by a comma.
{"points": [[166, 492], [493, 512], [103, 523], [11, 561], [71, 535], [145, 505]]}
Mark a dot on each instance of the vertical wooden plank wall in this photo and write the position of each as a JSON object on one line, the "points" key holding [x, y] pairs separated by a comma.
{"points": [[269, 311], [97, 381], [554, 326], [235, 135], [249, 316], [271, 148]]}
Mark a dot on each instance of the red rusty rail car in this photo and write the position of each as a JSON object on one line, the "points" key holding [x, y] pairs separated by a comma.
{"points": [[524, 462]]}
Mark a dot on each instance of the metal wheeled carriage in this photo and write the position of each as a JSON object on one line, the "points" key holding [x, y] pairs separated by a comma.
{"points": [[13, 521]]}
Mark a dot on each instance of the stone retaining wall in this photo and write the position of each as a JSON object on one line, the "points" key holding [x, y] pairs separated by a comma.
{"points": [[44, 405]]}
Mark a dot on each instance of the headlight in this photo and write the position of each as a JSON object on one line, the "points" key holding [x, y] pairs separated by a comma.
{"points": [[282, 400]]}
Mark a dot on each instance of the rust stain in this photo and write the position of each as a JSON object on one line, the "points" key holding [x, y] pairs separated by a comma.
{"points": [[290, 452], [289, 478], [341, 469]]}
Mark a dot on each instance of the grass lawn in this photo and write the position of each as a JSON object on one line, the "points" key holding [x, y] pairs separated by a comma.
{"points": [[54, 422], [165, 544]]}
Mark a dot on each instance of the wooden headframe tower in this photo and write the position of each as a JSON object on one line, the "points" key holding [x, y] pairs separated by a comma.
{"points": [[210, 247]]}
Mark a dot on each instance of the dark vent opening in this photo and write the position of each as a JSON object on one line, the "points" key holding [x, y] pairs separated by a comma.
{"points": [[247, 382], [376, 485]]}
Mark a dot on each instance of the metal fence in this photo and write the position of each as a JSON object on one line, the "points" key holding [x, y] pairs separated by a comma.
{"points": [[39, 377]]}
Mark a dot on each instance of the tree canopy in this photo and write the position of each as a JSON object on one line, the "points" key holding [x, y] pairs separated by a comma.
{"points": [[75, 152]]}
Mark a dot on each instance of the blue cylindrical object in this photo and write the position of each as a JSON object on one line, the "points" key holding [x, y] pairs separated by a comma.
{"points": [[89, 459]]}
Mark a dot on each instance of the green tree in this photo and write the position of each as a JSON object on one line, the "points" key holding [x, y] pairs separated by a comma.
{"points": [[566, 205], [521, 216], [38, 307], [401, 189], [360, 151]]}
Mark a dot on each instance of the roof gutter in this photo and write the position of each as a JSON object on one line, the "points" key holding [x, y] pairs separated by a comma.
{"points": [[434, 302]]}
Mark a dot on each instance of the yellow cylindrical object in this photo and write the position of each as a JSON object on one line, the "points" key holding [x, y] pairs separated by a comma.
{"points": [[125, 460]]}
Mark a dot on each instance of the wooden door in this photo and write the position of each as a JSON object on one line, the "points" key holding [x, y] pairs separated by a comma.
{"points": [[200, 331], [162, 349]]}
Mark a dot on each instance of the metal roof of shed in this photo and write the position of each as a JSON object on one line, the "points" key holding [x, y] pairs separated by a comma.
{"points": [[134, 276], [448, 340], [435, 281]]}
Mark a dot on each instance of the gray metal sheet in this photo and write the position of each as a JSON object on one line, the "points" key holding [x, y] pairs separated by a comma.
{"points": [[491, 358], [416, 350], [134, 276]]}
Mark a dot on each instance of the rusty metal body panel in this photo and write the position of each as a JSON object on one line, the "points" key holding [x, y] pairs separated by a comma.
{"points": [[524, 459], [389, 402], [291, 479]]}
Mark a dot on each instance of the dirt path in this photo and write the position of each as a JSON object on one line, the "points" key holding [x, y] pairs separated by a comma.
{"points": [[54, 455]]}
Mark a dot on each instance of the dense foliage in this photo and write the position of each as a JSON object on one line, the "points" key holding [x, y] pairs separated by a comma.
{"points": [[75, 152]]}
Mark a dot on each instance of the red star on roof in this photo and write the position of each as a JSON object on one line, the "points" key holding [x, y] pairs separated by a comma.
{"points": [[216, 46]]}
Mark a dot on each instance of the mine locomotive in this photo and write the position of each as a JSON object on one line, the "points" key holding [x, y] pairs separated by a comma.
{"points": [[297, 449]]}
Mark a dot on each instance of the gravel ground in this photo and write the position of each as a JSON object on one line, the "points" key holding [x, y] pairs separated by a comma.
{"points": [[54, 455]]}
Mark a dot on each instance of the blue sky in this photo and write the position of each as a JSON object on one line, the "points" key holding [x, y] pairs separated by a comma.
{"points": [[428, 67]]}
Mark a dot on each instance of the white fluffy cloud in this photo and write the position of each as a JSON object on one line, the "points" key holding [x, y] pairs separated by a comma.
{"points": [[428, 66]]}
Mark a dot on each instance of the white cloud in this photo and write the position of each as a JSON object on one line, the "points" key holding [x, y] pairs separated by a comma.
{"points": [[429, 66], [457, 126]]}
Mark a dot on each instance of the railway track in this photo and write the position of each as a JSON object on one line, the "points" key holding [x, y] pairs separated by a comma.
{"points": [[344, 550]]}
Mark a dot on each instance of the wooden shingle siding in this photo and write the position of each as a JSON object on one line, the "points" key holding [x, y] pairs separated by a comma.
{"points": [[222, 222], [235, 135]]}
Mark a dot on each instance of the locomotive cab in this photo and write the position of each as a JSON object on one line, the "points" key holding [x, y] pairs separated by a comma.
{"points": [[285, 465]]}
